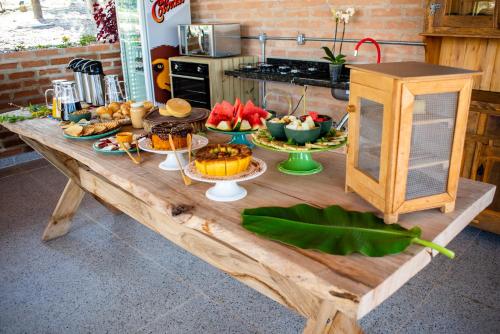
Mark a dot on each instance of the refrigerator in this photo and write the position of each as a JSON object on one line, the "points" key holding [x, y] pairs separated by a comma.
{"points": [[148, 37]]}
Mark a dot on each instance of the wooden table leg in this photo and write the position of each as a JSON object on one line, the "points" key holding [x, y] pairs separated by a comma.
{"points": [[331, 321], [60, 222]]}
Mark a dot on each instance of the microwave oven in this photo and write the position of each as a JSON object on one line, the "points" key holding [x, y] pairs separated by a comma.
{"points": [[210, 40]]}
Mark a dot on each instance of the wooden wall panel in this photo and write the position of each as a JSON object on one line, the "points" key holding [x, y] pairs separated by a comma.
{"points": [[472, 53]]}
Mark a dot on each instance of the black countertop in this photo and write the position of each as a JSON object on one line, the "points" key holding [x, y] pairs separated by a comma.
{"points": [[287, 79]]}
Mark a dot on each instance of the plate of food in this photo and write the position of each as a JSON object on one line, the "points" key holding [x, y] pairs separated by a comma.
{"points": [[299, 137], [111, 145], [89, 131], [237, 120], [225, 165]]}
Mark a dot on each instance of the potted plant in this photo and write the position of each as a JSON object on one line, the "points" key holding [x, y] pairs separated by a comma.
{"points": [[337, 61]]}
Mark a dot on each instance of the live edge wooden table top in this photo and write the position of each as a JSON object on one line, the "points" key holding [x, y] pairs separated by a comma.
{"points": [[332, 292]]}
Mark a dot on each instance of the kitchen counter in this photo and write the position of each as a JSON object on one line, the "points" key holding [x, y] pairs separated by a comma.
{"points": [[286, 79]]}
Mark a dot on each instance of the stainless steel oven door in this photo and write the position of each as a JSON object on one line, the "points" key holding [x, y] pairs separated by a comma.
{"points": [[196, 40], [195, 90]]}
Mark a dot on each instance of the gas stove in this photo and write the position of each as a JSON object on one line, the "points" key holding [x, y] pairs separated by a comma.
{"points": [[285, 70]]}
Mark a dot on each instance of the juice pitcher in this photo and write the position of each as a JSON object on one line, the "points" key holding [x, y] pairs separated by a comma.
{"points": [[56, 98], [113, 89], [70, 101]]}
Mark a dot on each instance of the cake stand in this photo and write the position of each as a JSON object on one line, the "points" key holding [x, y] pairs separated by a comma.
{"points": [[226, 188], [170, 163], [238, 137], [300, 162]]}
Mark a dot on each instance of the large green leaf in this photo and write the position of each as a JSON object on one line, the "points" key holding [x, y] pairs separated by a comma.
{"points": [[333, 230]]}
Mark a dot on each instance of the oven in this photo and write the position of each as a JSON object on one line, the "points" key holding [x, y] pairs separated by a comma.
{"points": [[190, 81]]}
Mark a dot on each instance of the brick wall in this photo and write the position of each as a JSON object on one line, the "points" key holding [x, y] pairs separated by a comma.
{"points": [[379, 19], [25, 75]]}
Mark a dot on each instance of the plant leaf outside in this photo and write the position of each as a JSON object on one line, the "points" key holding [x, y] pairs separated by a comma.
{"points": [[333, 230]]}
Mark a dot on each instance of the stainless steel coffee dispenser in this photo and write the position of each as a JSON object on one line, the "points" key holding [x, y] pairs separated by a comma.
{"points": [[76, 65], [92, 77]]}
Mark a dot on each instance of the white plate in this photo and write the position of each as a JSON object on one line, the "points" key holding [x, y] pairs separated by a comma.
{"points": [[170, 163], [226, 188]]}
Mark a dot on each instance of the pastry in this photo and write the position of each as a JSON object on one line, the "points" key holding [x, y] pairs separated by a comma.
{"points": [[75, 130], [223, 159], [105, 113], [114, 106], [125, 109], [88, 130], [177, 108], [160, 132]]}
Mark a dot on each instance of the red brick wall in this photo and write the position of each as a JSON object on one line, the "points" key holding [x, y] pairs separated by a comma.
{"points": [[25, 75], [379, 19]]}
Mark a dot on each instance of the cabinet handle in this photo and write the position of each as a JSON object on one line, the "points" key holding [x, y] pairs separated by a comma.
{"points": [[351, 108]]}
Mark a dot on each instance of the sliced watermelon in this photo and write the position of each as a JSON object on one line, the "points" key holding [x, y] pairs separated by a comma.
{"points": [[214, 117], [248, 109], [245, 125], [255, 121], [227, 109], [237, 104], [238, 118], [224, 126]]}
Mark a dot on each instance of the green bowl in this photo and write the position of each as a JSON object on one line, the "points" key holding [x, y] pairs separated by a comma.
{"points": [[303, 136], [325, 126], [78, 117], [277, 130]]}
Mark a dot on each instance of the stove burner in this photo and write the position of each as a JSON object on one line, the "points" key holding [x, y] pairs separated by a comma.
{"points": [[284, 69], [265, 67], [247, 67], [295, 71], [312, 69]]}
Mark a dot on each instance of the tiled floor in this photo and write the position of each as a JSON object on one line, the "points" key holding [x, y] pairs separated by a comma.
{"points": [[112, 275]]}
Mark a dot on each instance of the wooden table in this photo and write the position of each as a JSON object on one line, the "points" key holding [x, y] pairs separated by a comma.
{"points": [[332, 292]]}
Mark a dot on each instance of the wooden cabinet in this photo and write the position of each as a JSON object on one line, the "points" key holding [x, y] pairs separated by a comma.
{"points": [[463, 17], [407, 125]]}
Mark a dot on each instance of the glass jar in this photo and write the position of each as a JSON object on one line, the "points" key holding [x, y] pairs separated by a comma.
{"points": [[137, 113]]}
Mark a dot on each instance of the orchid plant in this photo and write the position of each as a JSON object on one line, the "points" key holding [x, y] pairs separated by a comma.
{"points": [[343, 17]]}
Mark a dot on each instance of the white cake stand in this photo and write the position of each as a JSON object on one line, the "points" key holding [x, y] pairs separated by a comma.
{"points": [[170, 162], [226, 188]]}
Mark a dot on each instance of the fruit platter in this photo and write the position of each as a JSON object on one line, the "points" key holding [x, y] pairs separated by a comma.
{"points": [[299, 137], [225, 165], [237, 120]]}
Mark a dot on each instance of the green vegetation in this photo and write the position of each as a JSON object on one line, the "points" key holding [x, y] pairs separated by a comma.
{"points": [[87, 39]]}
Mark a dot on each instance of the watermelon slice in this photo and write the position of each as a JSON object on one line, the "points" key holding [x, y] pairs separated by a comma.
{"points": [[214, 118], [245, 125], [251, 108], [255, 121], [238, 117], [227, 109], [237, 104], [224, 126]]}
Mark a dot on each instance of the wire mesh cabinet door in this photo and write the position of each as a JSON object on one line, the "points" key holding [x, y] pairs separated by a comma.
{"points": [[368, 146], [433, 121]]}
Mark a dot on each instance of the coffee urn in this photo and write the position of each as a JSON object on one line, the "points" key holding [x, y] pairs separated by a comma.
{"points": [[76, 66], [92, 76]]}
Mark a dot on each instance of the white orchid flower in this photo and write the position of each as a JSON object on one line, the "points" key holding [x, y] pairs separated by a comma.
{"points": [[350, 11], [345, 17]]}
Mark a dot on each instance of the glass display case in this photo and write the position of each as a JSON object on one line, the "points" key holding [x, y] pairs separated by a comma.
{"points": [[407, 126], [129, 28]]}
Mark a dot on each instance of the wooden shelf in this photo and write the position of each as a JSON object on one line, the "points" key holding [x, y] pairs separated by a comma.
{"points": [[428, 121]]}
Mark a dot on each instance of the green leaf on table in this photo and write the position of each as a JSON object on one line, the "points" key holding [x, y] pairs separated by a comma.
{"points": [[333, 230]]}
